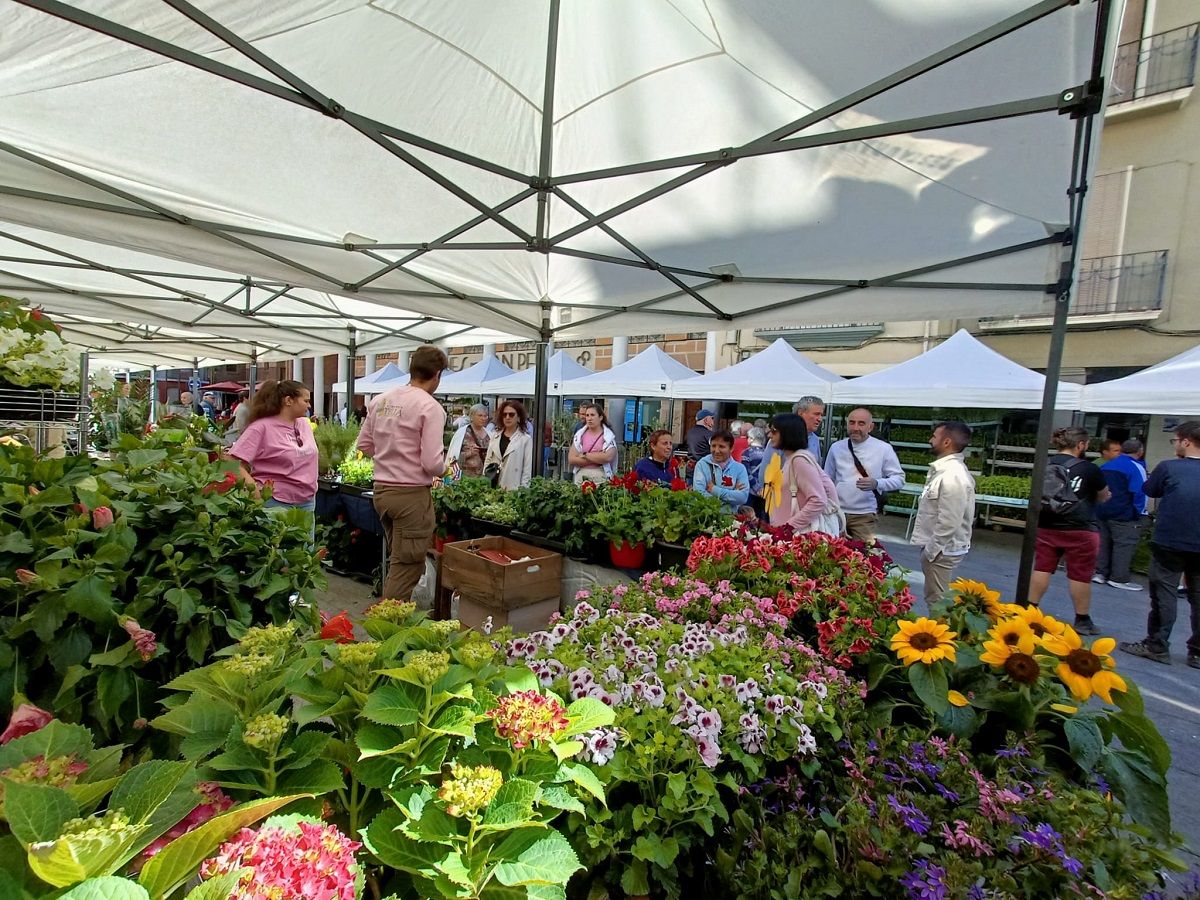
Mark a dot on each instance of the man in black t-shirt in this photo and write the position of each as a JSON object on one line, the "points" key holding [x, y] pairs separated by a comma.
{"points": [[1072, 535]]}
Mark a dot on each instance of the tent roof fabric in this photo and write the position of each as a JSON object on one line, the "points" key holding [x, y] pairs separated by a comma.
{"points": [[476, 379], [1168, 388], [652, 373], [560, 369], [627, 168], [777, 373], [959, 372], [383, 378]]}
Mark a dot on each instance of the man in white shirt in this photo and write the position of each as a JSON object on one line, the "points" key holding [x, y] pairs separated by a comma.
{"points": [[863, 468], [945, 509]]}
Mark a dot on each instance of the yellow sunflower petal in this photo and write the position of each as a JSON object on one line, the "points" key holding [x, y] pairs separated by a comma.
{"points": [[1064, 708], [956, 699], [1104, 683], [1080, 687], [1104, 646]]}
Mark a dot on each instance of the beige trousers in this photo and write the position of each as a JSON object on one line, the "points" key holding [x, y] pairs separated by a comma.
{"points": [[938, 574], [408, 525], [861, 526]]}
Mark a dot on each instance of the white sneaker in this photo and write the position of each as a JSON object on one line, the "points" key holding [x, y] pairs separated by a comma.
{"points": [[1099, 579], [1125, 585]]}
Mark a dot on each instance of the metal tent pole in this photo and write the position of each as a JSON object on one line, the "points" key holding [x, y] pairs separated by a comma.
{"points": [[352, 348], [252, 387], [83, 406], [540, 377], [154, 393]]}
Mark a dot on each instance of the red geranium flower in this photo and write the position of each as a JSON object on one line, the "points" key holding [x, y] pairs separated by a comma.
{"points": [[337, 628], [587, 487], [678, 484]]}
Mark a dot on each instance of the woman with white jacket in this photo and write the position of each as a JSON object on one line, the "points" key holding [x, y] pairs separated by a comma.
{"points": [[510, 451]]}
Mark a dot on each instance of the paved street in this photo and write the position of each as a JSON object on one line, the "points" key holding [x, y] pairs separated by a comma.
{"points": [[1172, 693]]}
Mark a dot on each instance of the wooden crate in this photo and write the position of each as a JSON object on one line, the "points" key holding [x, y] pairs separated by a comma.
{"points": [[501, 587], [524, 619]]}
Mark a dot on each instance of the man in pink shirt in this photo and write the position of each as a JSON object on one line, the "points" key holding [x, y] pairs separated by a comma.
{"points": [[403, 433]]}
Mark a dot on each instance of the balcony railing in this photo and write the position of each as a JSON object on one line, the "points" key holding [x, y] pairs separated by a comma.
{"points": [[1116, 286], [1155, 64]]}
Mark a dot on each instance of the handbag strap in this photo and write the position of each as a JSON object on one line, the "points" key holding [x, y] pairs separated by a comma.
{"points": [[854, 456]]}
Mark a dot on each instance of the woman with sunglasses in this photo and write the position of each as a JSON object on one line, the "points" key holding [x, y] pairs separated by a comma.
{"points": [[277, 446], [510, 453]]}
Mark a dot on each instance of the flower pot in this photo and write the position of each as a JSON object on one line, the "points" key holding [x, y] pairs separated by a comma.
{"points": [[672, 556], [487, 527], [626, 555]]}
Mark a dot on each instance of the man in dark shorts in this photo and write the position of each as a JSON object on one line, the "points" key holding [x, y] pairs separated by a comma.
{"points": [[1072, 536]]}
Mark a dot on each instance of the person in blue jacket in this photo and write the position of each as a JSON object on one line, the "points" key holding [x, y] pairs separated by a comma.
{"points": [[1121, 517], [720, 475]]}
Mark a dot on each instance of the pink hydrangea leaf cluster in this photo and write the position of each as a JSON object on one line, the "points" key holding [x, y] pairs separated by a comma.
{"points": [[526, 717], [310, 861]]}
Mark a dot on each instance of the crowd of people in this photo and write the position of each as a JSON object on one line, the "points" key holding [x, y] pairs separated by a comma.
{"points": [[1090, 523]]}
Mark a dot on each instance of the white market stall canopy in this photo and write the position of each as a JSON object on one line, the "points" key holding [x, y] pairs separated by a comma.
{"points": [[476, 379], [959, 372], [1171, 388], [652, 373], [777, 373], [382, 379], [560, 169], [163, 311], [560, 370]]}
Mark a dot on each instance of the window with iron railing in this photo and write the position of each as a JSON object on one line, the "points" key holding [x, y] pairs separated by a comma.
{"points": [[1155, 64]]}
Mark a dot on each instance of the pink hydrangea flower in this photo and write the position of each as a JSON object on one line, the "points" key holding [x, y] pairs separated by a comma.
{"points": [[310, 861], [143, 639]]}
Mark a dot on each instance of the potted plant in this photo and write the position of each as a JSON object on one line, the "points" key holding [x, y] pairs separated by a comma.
{"points": [[620, 516], [454, 505], [676, 516]]}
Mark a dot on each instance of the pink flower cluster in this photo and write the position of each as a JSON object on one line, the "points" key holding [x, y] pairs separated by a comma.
{"points": [[311, 861], [213, 802], [527, 716]]}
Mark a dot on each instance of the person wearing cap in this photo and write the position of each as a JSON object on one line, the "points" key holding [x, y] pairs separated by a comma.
{"points": [[699, 435], [208, 406]]}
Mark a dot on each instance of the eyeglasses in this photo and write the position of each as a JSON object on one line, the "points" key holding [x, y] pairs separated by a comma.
{"points": [[510, 415]]}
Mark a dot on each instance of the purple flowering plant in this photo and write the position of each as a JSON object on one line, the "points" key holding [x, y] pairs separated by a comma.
{"points": [[700, 708]]}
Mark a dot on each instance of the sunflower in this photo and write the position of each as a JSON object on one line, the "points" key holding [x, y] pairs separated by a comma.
{"points": [[1022, 668], [1008, 637], [924, 640], [987, 599], [1085, 671], [1039, 623]]}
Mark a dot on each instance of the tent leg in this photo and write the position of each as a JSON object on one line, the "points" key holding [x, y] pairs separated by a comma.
{"points": [[352, 349], [540, 378], [83, 409], [252, 387], [1058, 339]]}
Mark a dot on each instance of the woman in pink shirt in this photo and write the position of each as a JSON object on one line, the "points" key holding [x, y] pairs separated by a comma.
{"points": [[809, 501], [277, 446]]}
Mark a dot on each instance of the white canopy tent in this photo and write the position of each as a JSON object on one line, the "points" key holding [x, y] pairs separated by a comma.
{"points": [[477, 379], [776, 373], [959, 372], [560, 370], [652, 373], [1170, 388], [382, 379], [668, 162]]}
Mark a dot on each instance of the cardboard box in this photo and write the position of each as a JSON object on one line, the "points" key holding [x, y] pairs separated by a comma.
{"points": [[524, 619], [500, 587]]}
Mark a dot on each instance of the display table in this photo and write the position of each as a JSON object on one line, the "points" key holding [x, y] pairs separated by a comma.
{"points": [[984, 500]]}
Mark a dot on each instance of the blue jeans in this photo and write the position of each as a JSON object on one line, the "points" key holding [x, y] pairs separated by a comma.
{"points": [[309, 506]]}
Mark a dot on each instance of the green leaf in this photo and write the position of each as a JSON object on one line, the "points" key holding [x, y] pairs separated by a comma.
{"points": [[91, 597], [658, 850], [960, 721], [549, 860], [1139, 733], [512, 806], [457, 720], [107, 887], [634, 880], [16, 543], [929, 683], [307, 746], [1085, 741], [178, 861], [143, 459], [519, 678], [319, 777], [581, 775], [218, 888], [559, 797], [145, 787], [396, 704], [37, 812], [384, 838], [1140, 788], [55, 739], [73, 858], [203, 727], [587, 713]]}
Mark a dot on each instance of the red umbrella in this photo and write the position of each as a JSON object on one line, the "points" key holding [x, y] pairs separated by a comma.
{"points": [[225, 387]]}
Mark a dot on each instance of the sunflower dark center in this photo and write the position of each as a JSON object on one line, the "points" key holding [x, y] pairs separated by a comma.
{"points": [[1084, 662], [1012, 639], [1037, 628], [923, 640], [1022, 667]]}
